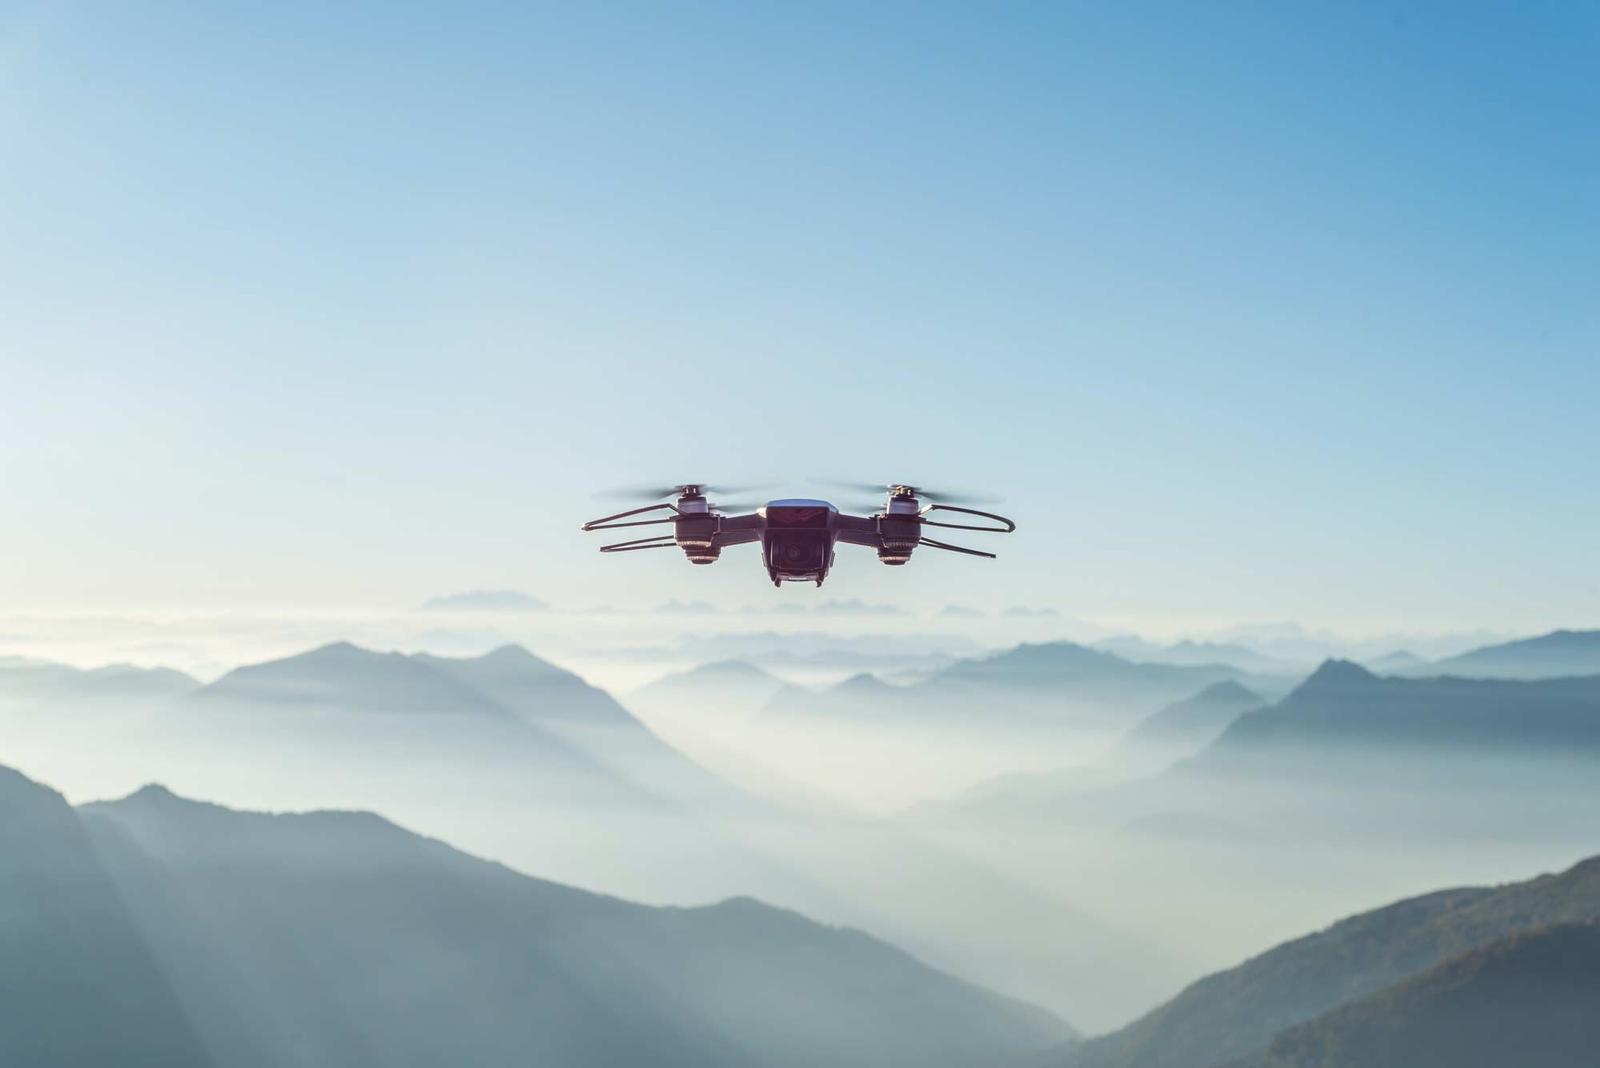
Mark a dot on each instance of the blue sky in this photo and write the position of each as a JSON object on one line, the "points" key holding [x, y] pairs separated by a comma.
{"points": [[1250, 311]]}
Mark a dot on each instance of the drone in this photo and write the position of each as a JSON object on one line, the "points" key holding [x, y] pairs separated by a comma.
{"points": [[797, 534]]}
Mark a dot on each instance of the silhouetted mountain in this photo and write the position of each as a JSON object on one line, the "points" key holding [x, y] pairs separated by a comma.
{"points": [[1062, 679], [351, 679], [525, 707], [79, 985], [485, 601], [560, 703], [1235, 1014], [1192, 653], [1399, 662], [862, 697], [27, 680], [1554, 655], [1530, 1000], [337, 938], [533, 690], [1184, 727], [1343, 707], [727, 686], [1027, 688]]}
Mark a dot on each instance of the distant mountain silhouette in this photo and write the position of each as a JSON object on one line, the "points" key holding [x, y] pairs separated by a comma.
{"points": [[1399, 662], [863, 698], [1029, 687], [1235, 1014], [1184, 727], [28, 680], [1559, 653], [1192, 653], [1531, 1000], [1344, 707], [731, 686], [557, 721], [485, 601], [351, 679], [337, 938], [532, 689], [559, 702], [1361, 754], [1062, 679], [79, 984]]}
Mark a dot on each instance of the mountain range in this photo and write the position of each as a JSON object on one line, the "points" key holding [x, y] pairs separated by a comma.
{"points": [[1343, 707], [157, 930], [553, 720], [25, 680], [1559, 653]]}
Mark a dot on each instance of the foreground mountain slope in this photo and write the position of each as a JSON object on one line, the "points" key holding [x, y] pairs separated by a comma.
{"points": [[1236, 1013], [78, 983], [1530, 1000], [338, 938]]}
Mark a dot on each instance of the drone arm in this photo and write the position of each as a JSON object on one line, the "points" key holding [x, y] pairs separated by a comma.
{"points": [[610, 522], [1006, 525], [739, 529], [857, 530], [660, 541], [954, 548]]}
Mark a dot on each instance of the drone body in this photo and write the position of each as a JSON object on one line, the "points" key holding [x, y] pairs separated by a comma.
{"points": [[797, 534]]}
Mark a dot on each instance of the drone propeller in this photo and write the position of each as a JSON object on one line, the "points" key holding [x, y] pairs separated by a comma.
{"points": [[922, 492], [657, 492]]}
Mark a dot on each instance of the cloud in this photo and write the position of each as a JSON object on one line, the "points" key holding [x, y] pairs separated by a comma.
{"points": [[687, 608], [854, 607], [1024, 611], [960, 611], [485, 601]]}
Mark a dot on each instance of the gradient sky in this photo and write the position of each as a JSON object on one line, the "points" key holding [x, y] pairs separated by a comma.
{"points": [[1250, 311]]}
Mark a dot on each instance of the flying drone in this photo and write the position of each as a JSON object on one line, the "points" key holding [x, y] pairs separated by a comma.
{"points": [[797, 534]]}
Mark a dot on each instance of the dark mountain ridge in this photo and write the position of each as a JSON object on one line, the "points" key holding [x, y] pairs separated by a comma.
{"points": [[1531, 999], [79, 983], [1235, 1014]]}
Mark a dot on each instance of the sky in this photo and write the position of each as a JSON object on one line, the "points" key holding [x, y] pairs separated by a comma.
{"points": [[1248, 311]]}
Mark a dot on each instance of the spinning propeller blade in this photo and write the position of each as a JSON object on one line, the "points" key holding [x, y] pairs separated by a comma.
{"points": [[923, 492]]}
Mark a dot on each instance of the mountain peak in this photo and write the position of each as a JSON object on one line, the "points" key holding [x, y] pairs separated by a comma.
{"points": [[1334, 672], [1228, 690], [510, 653], [862, 682], [151, 793]]}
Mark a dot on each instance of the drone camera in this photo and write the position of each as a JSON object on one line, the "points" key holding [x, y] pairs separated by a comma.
{"points": [[802, 555]]}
